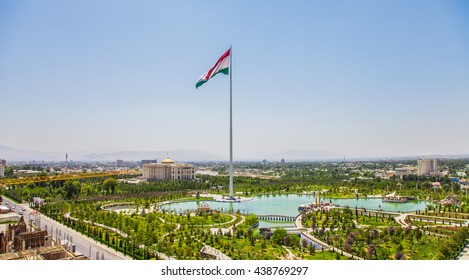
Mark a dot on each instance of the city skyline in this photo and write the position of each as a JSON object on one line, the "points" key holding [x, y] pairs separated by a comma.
{"points": [[360, 79]]}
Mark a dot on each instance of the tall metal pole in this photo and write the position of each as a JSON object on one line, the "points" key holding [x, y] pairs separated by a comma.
{"points": [[231, 124]]}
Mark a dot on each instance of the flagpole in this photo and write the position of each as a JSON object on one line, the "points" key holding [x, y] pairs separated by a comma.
{"points": [[231, 124]]}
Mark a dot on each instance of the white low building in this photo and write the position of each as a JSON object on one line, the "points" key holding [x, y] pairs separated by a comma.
{"points": [[402, 171]]}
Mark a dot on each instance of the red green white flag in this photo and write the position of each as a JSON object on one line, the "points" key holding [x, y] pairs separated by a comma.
{"points": [[222, 66]]}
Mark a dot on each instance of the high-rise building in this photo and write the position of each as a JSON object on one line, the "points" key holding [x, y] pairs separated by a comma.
{"points": [[427, 167], [3, 164], [168, 169], [145, 161]]}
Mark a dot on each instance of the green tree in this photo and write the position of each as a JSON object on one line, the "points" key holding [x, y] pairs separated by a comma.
{"points": [[8, 172], [278, 235], [110, 185], [72, 188], [25, 194], [251, 220], [295, 240], [311, 249], [86, 189]]}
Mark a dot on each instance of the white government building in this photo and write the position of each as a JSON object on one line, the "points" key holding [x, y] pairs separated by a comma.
{"points": [[168, 169]]}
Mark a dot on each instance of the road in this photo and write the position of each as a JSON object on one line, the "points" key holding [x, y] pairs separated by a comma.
{"points": [[65, 235], [464, 255]]}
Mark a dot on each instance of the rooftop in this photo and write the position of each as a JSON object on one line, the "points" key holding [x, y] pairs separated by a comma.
{"points": [[167, 161]]}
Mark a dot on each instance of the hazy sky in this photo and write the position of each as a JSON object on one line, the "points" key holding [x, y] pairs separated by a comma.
{"points": [[360, 78]]}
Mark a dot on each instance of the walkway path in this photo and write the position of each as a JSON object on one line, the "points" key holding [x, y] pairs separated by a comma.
{"points": [[121, 233], [434, 233], [455, 222], [162, 256], [216, 230], [289, 255], [307, 235], [213, 253], [178, 226], [401, 219]]}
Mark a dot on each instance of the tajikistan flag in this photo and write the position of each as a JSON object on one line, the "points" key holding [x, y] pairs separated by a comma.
{"points": [[222, 66]]}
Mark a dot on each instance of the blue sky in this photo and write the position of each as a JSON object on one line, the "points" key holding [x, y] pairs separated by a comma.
{"points": [[359, 78]]}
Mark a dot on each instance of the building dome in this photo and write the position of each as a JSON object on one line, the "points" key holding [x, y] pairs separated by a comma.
{"points": [[167, 161]]}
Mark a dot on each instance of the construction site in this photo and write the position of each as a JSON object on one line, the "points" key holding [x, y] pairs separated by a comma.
{"points": [[20, 241]]}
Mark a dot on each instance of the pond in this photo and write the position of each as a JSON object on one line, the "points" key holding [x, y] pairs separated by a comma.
{"points": [[288, 204]]}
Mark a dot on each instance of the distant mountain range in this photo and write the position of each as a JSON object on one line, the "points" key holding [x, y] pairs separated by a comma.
{"points": [[302, 155], [178, 155], [13, 154]]}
